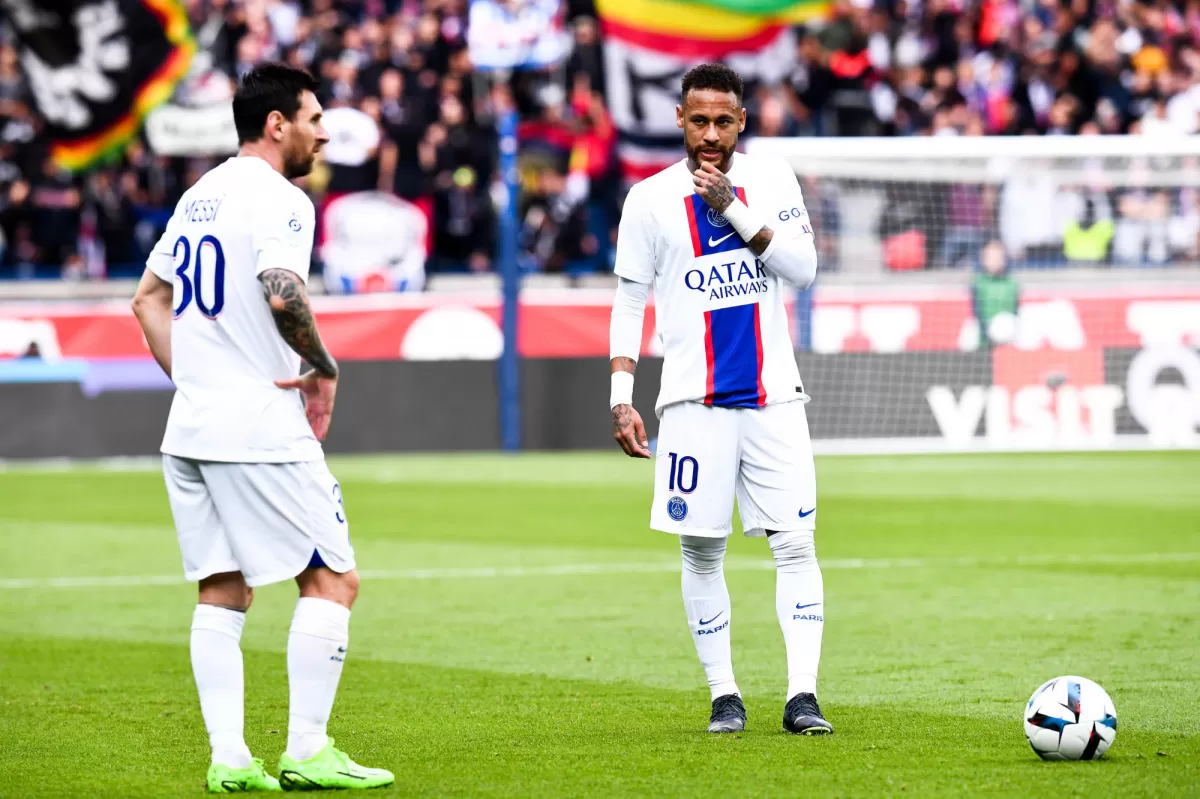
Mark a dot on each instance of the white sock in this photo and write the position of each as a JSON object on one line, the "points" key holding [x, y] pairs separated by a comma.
{"points": [[217, 666], [800, 604], [706, 600], [316, 651]]}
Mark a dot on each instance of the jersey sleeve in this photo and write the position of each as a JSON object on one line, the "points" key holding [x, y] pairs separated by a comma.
{"points": [[791, 216], [283, 235], [162, 258], [635, 244]]}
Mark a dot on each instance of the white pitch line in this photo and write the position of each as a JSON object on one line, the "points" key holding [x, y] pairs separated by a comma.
{"points": [[650, 567]]}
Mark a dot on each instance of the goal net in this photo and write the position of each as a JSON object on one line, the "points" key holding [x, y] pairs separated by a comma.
{"points": [[982, 293]]}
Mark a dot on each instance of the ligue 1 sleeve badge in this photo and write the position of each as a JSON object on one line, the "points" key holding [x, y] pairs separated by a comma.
{"points": [[677, 508]]}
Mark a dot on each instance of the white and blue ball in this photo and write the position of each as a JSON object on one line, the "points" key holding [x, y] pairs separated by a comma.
{"points": [[1070, 718]]}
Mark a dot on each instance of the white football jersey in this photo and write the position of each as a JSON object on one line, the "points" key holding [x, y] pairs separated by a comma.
{"points": [[720, 312], [239, 220]]}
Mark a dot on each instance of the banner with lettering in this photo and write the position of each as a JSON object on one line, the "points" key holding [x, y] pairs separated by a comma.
{"points": [[98, 67], [650, 44]]}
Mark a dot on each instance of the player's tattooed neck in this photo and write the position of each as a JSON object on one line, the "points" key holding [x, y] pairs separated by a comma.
{"points": [[288, 299]]}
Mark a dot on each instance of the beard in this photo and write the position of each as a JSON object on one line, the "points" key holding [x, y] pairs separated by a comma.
{"points": [[693, 154], [298, 160], [297, 166]]}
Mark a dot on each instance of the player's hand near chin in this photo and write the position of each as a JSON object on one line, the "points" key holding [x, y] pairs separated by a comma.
{"points": [[629, 431], [714, 186], [319, 393]]}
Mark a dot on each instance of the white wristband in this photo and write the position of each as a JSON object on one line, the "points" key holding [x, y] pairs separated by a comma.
{"points": [[745, 220], [622, 389]]}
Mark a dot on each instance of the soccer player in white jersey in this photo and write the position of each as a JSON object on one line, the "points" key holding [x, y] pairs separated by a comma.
{"points": [[718, 235], [225, 312]]}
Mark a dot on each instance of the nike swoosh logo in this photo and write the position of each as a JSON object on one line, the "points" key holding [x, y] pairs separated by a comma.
{"points": [[704, 623], [714, 242], [342, 649], [808, 512], [352, 776], [809, 605]]}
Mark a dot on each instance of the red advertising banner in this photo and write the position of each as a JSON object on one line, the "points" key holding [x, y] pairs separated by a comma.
{"points": [[574, 323]]}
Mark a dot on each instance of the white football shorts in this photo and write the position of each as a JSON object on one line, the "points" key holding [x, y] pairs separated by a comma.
{"points": [[708, 456], [269, 521]]}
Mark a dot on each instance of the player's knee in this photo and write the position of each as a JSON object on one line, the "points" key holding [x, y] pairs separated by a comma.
{"points": [[226, 591], [324, 583], [343, 588], [702, 555], [350, 582], [794, 549]]}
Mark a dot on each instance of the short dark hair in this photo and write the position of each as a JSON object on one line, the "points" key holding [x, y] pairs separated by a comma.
{"points": [[268, 87], [712, 76]]}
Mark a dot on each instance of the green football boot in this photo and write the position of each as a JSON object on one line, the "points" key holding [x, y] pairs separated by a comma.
{"points": [[223, 779], [329, 769]]}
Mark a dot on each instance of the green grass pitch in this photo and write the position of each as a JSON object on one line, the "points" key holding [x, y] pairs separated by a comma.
{"points": [[520, 632]]}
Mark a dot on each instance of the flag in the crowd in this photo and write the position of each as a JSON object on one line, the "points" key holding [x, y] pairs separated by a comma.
{"points": [[517, 34], [650, 44], [788, 10], [98, 67]]}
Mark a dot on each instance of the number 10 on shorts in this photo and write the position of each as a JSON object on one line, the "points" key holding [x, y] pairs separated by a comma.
{"points": [[685, 472]]}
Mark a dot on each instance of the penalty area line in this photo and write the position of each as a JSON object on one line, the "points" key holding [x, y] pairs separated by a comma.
{"points": [[649, 567]]}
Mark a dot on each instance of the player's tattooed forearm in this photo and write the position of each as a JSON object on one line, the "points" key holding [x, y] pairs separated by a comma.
{"points": [[624, 365], [294, 319], [761, 240]]}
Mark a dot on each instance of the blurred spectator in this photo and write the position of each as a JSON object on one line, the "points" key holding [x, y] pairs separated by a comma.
{"points": [[458, 142], [901, 229], [14, 88], [593, 177], [995, 297], [811, 86], [115, 218], [401, 169], [822, 200], [967, 213], [1028, 216], [1086, 240], [352, 148], [54, 205], [587, 59], [1139, 236], [463, 227]]}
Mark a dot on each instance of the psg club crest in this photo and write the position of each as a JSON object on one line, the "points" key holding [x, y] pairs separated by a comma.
{"points": [[716, 219], [677, 508]]}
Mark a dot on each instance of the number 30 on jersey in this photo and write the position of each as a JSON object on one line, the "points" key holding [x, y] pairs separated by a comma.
{"points": [[201, 276]]}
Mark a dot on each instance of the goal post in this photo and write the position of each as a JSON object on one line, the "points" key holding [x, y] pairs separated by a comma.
{"points": [[1000, 293]]}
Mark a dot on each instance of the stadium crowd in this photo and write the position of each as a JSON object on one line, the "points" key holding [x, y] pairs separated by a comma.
{"points": [[408, 115]]}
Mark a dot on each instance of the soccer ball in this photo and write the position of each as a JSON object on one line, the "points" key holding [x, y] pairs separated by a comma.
{"points": [[1070, 718], [1003, 328]]}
